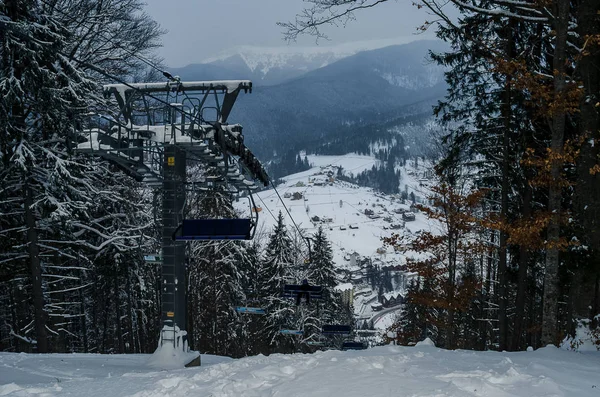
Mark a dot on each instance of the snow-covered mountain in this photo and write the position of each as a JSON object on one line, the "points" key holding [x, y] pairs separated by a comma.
{"points": [[274, 65], [331, 102]]}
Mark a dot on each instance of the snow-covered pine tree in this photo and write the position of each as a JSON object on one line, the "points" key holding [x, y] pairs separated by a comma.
{"points": [[40, 88], [253, 343], [274, 274], [56, 207], [215, 283], [409, 326], [321, 271]]}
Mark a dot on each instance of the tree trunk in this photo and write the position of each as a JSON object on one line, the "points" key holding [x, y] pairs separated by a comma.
{"points": [[587, 189], [505, 188], [131, 316], [520, 300], [36, 272], [83, 318], [550, 306], [117, 295]]}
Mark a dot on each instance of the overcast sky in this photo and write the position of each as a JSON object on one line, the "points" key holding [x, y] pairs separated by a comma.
{"points": [[199, 29]]}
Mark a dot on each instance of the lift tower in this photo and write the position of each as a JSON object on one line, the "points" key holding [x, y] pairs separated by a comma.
{"points": [[156, 131]]}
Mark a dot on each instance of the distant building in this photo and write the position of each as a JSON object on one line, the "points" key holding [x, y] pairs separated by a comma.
{"points": [[346, 292], [393, 298], [297, 196], [408, 217], [396, 226]]}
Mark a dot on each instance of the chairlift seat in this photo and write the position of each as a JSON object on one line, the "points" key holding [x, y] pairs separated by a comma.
{"points": [[214, 229], [353, 345], [291, 332], [250, 310], [336, 330], [292, 291]]}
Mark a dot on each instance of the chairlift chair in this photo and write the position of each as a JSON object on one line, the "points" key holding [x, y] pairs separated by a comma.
{"points": [[353, 345], [250, 310], [218, 229], [298, 291], [291, 331], [335, 329]]}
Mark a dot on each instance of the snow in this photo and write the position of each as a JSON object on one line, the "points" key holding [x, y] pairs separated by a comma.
{"points": [[343, 287], [167, 357], [229, 85], [423, 371], [430, 76], [322, 194], [425, 342], [347, 226], [265, 59], [350, 163], [174, 353], [585, 340]]}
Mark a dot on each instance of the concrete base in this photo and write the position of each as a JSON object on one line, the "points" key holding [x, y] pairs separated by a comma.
{"points": [[194, 363]]}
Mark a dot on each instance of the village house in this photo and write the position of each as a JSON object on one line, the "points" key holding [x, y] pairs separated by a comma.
{"points": [[393, 298], [297, 196], [408, 217]]}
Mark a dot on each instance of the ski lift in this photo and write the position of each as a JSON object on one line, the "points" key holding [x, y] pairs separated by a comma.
{"points": [[342, 330], [353, 345], [250, 310], [219, 229], [291, 332], [303, 290]]}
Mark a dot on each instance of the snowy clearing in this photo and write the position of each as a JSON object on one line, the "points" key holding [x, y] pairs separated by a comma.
{"points": [[382, 371]]}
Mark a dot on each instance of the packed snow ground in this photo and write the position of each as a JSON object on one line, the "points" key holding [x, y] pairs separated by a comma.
{"points": [[423, 371]]}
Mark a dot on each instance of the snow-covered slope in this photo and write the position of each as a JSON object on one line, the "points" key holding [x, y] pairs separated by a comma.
{"points": [[355, 219], [340, 208], [341, 205], [423, 371]]}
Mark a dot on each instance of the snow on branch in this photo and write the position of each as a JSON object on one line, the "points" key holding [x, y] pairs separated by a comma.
{"points": [[499, 12]]}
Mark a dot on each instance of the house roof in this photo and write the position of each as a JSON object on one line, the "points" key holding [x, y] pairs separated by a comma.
{"points": [[343, 287]]}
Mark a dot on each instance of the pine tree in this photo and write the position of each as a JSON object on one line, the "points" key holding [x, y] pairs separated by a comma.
{"points": [[409, 326], [274, 274], [216, 286], [320, 271]]}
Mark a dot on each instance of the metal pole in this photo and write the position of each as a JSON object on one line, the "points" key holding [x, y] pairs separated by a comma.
{"points": [[173, 268]]}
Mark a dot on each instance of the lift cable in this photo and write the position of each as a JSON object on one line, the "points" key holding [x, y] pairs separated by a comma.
{"points": [[304, 238], [268, 209]]}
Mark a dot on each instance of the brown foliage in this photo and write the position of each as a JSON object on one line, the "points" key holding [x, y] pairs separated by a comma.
{"points": [[544, 100]]}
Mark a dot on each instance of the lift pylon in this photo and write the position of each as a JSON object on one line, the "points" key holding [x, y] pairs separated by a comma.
{"points": [[157, 130]]}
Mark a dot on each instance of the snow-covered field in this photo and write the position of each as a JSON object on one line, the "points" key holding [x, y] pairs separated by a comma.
{"points": [[354, 218], [382, 371], [343, 204]]}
